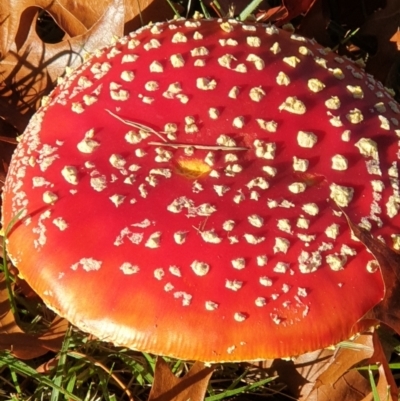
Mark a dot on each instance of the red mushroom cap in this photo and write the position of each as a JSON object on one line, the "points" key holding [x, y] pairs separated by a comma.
{"points": [[183, 192]]}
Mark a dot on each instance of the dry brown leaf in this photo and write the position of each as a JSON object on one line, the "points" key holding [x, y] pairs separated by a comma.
{"points": [[287, 11], [21, 344], [30, 71], [352, 386], [313, 364], [341, 381], [388, 310], [361, 348], [383, 388], [75, 18], [29, 67], [301, 376], [310, 367], [338, 382], [386, 386], [330, 375], [300, 373], [274, 14], [168, 387], [48, 366]]}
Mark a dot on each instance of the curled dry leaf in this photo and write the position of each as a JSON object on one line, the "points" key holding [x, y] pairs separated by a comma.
{"points": [[325, 374], [330, 374], [24, 345], [287, 11], [341, 381], [48, 365], [388, 310], [273, 14], [29, 67], [300, 373], [338, 381], [386, 386], [75, 18], [168, 387]]}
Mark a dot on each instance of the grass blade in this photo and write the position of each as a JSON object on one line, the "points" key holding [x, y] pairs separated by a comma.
{"points": [[240, 390], [249, 10], [22, 368], [60, 370]]}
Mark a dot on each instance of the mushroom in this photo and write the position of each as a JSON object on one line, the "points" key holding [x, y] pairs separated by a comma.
{"points": [[184, 192]]}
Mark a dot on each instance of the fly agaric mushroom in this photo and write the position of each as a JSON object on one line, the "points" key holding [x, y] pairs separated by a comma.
{"points": [[184, 192]]}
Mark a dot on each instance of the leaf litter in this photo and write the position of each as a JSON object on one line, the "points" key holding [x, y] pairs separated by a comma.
{"points": [[23, 344]]}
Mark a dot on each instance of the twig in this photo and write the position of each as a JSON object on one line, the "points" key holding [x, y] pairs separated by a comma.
{"points": [[13, 141], [217, 8], [136, 125], [204, 147]]}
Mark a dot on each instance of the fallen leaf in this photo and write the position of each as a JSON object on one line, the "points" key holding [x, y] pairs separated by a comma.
{"points": [[300, 372], [168, 387], [330, 374], [386, 386], [287, 11], [388, 310], [384, 390], [30, 70], [24, 345], [360, 349], [339, 381], [75, 18], [48, 365], [29, 67], [273, 14]]}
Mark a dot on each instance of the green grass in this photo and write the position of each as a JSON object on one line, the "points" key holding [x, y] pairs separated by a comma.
{"points": [[87, 369]]}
